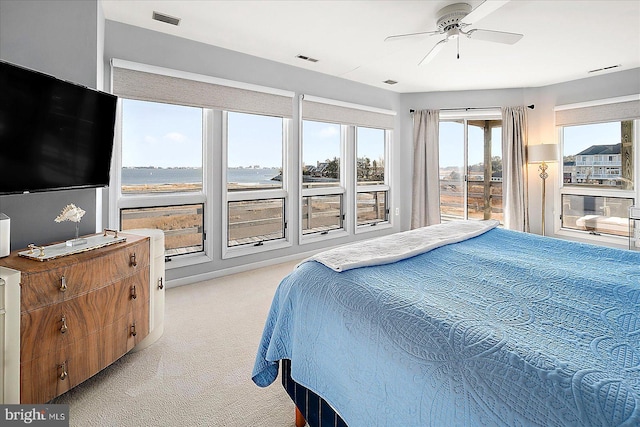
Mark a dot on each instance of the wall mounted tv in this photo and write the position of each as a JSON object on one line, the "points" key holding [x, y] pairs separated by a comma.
{"points": [[54, 135]]}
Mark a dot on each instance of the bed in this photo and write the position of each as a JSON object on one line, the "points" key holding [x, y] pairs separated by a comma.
{"points": [[462, 323]]}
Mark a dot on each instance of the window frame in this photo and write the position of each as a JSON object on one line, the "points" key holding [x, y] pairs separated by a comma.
{"points": [[340, 189], [147, 200], [369, 188], [248, 195], [563, 189]]}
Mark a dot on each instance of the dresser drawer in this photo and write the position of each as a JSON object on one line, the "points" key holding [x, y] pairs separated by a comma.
{"points": [[52, 286], [55, 326], [56, 372]]}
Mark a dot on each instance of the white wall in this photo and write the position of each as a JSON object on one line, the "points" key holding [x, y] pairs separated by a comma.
{"points": [[57, 38]]}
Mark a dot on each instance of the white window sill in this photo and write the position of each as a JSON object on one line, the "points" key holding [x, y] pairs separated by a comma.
{"points": [[318, 237], [186, 260], [601, 240], [370, 228], [245, 250]]}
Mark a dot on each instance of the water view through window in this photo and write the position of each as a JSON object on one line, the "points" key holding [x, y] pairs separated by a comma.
{"points": [[161, 147]]}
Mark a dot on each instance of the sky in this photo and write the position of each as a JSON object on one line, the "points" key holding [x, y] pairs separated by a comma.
{"points": [[451, 148], [165, 135], [161, 135], [578, 138]]}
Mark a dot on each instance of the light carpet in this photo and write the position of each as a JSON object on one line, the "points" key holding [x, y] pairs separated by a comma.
{"points": [[199, 372]]}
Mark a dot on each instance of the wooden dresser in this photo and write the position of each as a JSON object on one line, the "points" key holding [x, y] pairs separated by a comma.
{"points": [[79, 314]]}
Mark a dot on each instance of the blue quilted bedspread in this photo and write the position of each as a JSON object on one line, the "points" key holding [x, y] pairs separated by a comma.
{"points": [[506, 329]]}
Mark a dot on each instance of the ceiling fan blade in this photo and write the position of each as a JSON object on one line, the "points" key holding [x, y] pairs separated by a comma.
{"points": [[433, 52], [494, 36], [401, 36], [483, 10]]}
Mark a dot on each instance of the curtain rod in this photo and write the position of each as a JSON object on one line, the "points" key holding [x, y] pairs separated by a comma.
{"points": [[532, 106]]}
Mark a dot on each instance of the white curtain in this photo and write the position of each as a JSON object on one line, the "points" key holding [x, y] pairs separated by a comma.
{"points": [[425, 206], [514, 168]]}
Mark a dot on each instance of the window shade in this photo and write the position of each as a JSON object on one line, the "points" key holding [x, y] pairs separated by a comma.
{"points": [[616, 111], [334, 113], [147, 86]]}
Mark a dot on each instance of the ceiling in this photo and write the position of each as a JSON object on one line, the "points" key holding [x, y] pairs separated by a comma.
{"points": [[563, 39]]}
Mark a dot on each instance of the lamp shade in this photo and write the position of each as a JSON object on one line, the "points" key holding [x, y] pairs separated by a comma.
{"points": [[542, 153]]}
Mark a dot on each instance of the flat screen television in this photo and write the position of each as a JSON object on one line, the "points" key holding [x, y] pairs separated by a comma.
{"points": [[54, 135]]}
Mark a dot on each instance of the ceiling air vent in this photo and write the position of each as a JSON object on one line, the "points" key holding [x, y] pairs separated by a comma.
{"points": [[597, 70], [165, 18], [306, 58], [390, 82]]}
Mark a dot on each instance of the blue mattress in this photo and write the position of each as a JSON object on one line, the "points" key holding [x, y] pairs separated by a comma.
{"points": [[506, 329]]}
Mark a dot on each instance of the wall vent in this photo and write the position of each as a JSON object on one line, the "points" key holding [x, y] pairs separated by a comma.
{"points": [[165, 18], [390, 82], [597, 70], [306, 58]]}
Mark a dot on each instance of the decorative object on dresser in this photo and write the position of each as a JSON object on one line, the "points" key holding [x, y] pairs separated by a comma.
{"points": [[79, 313], [74, 214]]}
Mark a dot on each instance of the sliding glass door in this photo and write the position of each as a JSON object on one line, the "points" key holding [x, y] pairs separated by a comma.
{"points": [[471, 168]]}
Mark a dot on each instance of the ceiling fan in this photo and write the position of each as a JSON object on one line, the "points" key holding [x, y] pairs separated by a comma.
{"points": [[452, 21]]}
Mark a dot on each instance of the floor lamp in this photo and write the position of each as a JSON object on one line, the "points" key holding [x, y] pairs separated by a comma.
{"points": [[542, 154]]}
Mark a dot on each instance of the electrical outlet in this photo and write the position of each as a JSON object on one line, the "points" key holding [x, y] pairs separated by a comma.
{"points": [[397, 211]]}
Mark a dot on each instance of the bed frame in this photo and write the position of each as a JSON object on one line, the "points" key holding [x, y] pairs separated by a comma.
{"points": [[310, 408]]}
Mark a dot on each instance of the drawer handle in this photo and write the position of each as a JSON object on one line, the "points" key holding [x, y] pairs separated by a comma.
{"points": [[133, 330], [63, 284], [64, 328], [64, 374], [160, 284], [132, 260], [134, 294]]}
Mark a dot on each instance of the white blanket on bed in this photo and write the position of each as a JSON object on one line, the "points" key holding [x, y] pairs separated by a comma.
{"points": [[398, 246]]}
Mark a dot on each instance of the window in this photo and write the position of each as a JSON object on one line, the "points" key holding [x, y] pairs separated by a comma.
{"points": [[183, 225], [255, 221], [471, 168], [322, 177], [321, 149], [371, 207], [255, 177], [161, 154], [345, 176], [598, 184], [371, 185], [254, 152], [188, 161], [596, 214], [321, 214], [593, 155], [161, 147]]}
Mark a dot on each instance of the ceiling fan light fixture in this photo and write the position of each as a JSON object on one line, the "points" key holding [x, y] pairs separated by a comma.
{"points": [[454, 18]]}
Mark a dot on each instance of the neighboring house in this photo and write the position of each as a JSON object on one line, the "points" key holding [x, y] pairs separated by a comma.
{"points": [[598, 164], [569, 171]]}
